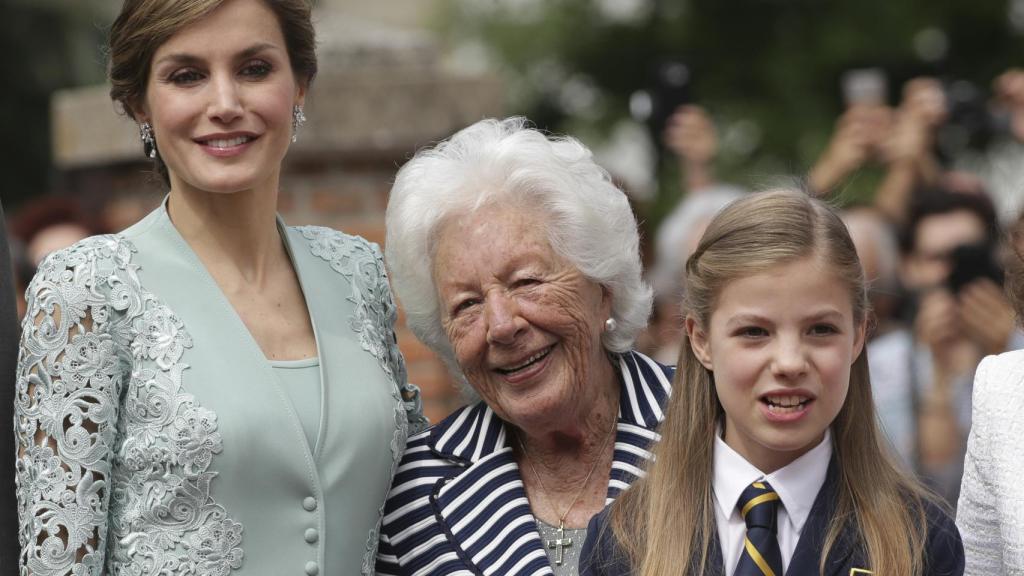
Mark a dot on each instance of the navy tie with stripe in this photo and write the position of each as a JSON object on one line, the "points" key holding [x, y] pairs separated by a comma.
{"points": [[761, 555]]}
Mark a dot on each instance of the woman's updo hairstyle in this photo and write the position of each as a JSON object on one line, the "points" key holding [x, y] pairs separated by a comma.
{"points": [[144, 25]]}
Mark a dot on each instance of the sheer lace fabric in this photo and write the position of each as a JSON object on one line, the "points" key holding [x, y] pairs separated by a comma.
{"points": [[114, 457]]}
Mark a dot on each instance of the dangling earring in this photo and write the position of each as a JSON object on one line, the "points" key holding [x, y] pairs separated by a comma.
{"points": [[610, 325], [148, 143], [298, 119]]}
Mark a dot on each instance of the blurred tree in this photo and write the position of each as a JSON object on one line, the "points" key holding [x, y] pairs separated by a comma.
{"points": [[768, 70], [47, 45]]}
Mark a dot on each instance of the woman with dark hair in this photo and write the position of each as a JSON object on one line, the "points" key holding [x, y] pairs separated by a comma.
{"points": [[210, 392], [990, 513]]}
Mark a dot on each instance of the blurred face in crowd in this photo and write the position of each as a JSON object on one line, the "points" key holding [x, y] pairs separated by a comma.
{"points": [[525, 324], [220, 97], [53, 238], [863, 233], [867, 251], [928, 265]]}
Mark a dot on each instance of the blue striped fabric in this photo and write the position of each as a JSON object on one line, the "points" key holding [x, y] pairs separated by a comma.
{"points": [[458, 506]]}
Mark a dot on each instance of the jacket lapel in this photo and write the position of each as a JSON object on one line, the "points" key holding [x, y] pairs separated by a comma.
{"points": [[484, 510], [487, 514], [715, 564], [807, 555], [646, 386], [844, 556], [209, 315]]}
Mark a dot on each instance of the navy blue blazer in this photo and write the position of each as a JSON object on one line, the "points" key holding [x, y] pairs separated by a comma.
{"points": [[601, 555], [457, 503]]}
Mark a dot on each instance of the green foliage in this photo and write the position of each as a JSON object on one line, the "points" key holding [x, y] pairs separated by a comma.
{"points": [[774, 64], [46, 46]]}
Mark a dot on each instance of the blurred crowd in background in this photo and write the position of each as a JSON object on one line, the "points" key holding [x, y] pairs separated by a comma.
{"points": [[934, 237]]}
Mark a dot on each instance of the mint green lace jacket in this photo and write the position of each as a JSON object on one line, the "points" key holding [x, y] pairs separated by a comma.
{"points": [[155, 439]]}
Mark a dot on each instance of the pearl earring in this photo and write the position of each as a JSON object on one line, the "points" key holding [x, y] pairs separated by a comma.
{"points": [[610, 325]]}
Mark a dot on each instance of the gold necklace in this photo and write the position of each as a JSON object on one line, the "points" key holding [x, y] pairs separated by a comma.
{"points": [[562, 542]]}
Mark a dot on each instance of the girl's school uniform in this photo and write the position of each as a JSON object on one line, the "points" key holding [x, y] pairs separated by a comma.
{"points": [[797, 485], [809, 481]]}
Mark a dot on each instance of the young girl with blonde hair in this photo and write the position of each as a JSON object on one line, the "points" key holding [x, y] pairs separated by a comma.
{"points": [[770, 460]]}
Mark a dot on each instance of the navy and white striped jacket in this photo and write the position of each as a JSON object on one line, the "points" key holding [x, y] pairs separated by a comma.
{"points": [[457, 504]]}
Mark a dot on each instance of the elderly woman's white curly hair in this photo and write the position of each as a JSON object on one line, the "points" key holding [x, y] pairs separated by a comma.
{"points": [[588, 219]]}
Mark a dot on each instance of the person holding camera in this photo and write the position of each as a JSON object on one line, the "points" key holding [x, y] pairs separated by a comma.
{"points": [[901, 139], [923, 374], [998, 164]]}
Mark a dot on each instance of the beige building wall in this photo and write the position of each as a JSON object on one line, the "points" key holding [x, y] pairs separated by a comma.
{"points": [[399, 13]]}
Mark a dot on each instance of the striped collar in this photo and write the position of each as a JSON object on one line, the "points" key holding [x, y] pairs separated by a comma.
{"points": [[475, 431], [469, 513]]}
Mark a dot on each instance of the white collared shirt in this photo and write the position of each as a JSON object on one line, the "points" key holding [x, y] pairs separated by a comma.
{"points": [[797, 484]]}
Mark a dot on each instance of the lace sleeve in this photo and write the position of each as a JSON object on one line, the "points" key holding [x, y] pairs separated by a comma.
{"points": [[66, 406], [410, 392], [362, 264]]}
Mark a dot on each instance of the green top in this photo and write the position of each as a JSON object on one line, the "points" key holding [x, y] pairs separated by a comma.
{"points": [[300, 379]]}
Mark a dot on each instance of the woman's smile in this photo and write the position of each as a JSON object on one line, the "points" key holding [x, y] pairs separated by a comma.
{"points": [[226, 145], [528, 368]]}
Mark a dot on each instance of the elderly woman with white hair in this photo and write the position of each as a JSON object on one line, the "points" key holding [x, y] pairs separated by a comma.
{"points": [[517, 261]]}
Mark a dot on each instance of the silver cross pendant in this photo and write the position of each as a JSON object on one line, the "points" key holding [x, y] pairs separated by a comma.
{"points": [[561, 543]]}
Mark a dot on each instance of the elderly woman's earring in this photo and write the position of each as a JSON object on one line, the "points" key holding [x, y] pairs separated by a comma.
{"points": [[148, 143], [298, 119], [610, 325]]}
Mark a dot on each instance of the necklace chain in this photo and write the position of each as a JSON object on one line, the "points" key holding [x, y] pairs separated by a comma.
{"points": [[586, 481]]}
